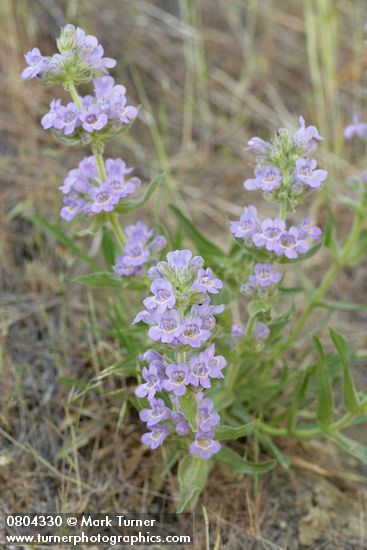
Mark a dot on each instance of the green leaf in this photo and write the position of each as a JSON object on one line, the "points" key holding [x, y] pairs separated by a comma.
{"points": [[325, 396], [352, 447], [299, 397], [341, 345], [131, 204], [302, 257], [350, 396], [104, 280], [192, 475], [269, 444], [58, 234], [342, 306], [359, 252], [237, 464], [108, 248], [203, 245], [234, 432]]}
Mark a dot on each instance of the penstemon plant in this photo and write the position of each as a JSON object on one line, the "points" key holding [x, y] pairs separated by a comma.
{"points": [[182, 394]]}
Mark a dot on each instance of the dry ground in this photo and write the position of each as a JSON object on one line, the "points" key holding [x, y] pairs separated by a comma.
{"points": [[209, 74]]}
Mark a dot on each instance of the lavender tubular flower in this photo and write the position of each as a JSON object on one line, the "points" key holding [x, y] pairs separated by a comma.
{"points": [[180, 324], [82, 186], [264, 276]]}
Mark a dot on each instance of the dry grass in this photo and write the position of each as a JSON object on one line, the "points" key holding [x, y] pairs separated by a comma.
{"points": [[209, 74]]}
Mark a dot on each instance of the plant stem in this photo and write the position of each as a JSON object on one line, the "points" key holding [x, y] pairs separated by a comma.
{"points": [[309, 433], [334, 269], [74, 94], [119, 234], [100, 166]]}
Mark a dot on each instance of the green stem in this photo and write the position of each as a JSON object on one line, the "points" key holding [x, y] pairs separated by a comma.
{"points": [[309, 433], [119, 234], [100, 166], [334, 269], [74, 94]]}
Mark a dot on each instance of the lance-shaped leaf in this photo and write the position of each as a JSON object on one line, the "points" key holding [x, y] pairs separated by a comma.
{"points": [[192, 475], [203, 245], [131, 204], [352, 447], [108, 280], [325, 394], [299, 397], [350, 395], [60, 236], [237, 464], [234, 432]]}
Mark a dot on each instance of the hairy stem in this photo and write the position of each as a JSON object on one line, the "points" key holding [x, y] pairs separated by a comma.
{"points": [[74, 94]]}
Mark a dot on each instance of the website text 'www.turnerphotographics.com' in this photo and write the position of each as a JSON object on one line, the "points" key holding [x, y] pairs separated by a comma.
{"points": [[106, 530]]}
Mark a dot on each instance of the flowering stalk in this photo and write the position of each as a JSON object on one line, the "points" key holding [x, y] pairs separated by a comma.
{"points": [[285, 173], [182, 319], [97, 188]]}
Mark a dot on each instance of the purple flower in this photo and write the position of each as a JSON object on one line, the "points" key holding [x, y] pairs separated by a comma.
{"points": [[37, 64], [158, 243], [139, 231], [199, 371], [247, 225], [177, 379], [269, 233], [307, 231], [167, 328], [88, 47], [261, 332], [204, 366], [264, 275], [103, 199], [52, 119], [192, 332], [207, 417], [307, 138], [206, 283], [163, 296], [151, 355], [154, 415], [306, 173], [72, 207], [257, 145], [290, 245], [156, 437], [93, 118], [207, 311], [182, 427], [237, 331], [179, 259], [216, 362], [136, 254], [267, 179], [152, 383], [204, 445], [70, 118], [357, 128]]}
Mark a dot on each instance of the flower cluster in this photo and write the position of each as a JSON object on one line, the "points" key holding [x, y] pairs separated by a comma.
{"points": [[272, 234], [181, 317], [107, 110], [139, 250], [285, 168], [84, 192], [284, 171], [80, 57]]}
